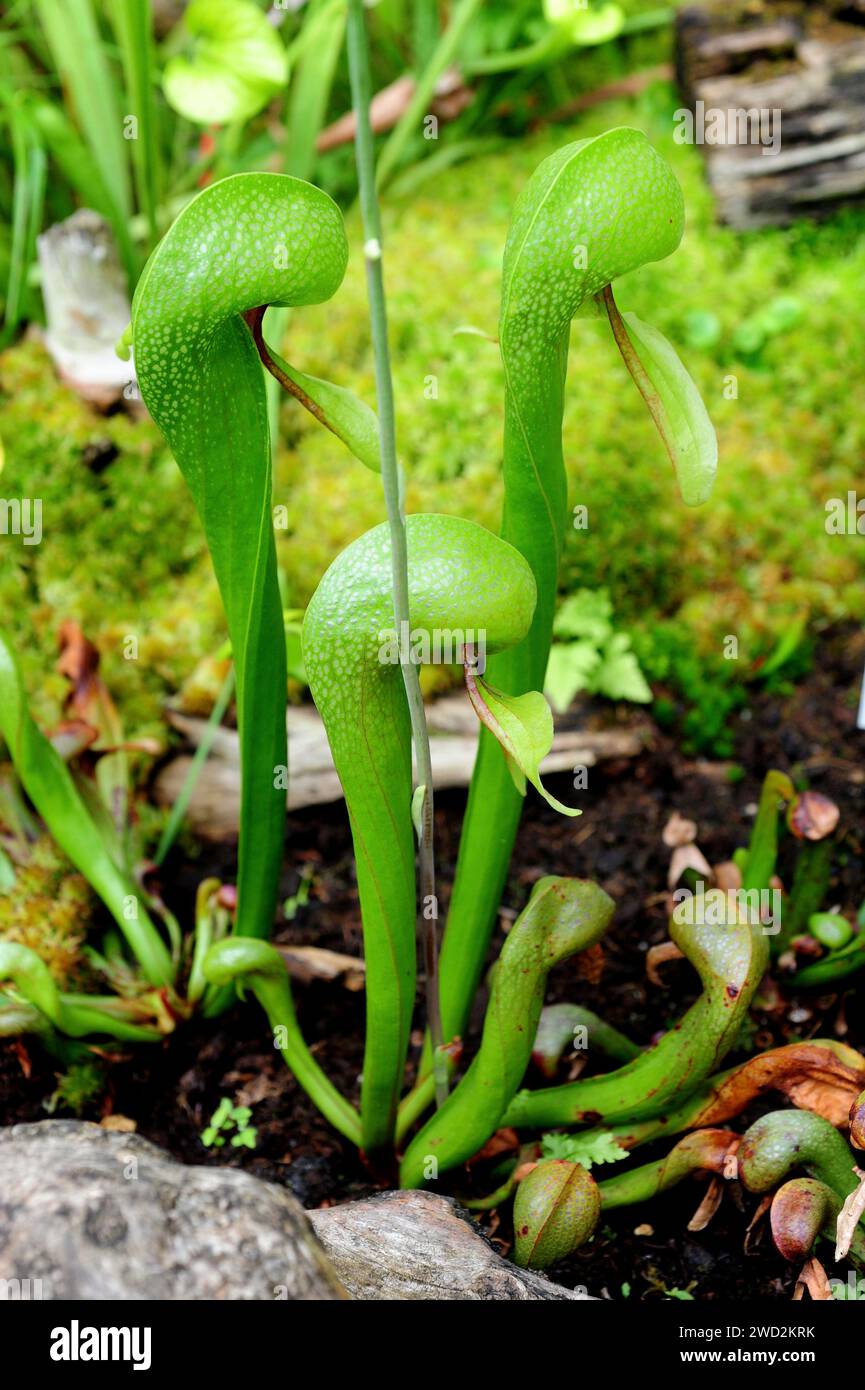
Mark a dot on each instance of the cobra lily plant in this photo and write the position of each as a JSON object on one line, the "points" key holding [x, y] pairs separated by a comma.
{"points": [[590, 214]]}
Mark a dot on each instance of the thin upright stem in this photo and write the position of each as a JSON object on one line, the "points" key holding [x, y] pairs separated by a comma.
{"points": [[358, 62]]}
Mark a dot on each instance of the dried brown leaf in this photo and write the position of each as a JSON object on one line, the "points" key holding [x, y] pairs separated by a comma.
{"points": [[728, 876], [679, 831], [590, 964], [849, 1217], [317, 963], [504, 1141], [88, 699], [687, 857], [812, 816], [823, 1079], [706, 1210], [813, 1278]]}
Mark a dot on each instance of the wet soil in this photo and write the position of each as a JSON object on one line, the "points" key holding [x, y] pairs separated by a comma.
{"points": [[639, 1253]]}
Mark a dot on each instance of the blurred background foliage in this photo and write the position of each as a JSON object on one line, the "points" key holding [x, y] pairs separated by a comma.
{"points": [[770, 315]]}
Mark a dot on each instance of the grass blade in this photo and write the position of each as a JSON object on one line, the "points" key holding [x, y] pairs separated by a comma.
{"points": [[311, 83], [410, 121], [27, 202], [132, 25], [79, 55], [49, 785], [202, 752]]}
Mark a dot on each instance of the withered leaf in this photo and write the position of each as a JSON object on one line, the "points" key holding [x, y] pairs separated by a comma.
{"points": [[849, 1217]]}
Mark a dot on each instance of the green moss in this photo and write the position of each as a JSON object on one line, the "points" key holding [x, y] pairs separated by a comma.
{"points": [[47, 908], [121, 549]]}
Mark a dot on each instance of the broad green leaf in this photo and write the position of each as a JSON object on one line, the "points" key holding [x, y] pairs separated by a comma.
{"points": [[238, 63], [570, 669], [523, 726], [50, 786], [679, 412], [618, 675]]}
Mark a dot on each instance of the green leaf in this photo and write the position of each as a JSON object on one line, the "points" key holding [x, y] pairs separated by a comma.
{"points": [[523, 726], [618, 675], [221, 1113], [571, 668], [343, 413], [679, 412], [587, 613], [238, 63], [585, 25], [589, 1150]]}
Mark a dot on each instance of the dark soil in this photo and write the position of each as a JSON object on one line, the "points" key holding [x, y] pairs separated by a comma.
{"points": [[646, 1252]]}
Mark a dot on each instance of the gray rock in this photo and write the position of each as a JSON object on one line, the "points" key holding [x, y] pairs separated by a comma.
{"points": [[98, 1215], [86, 306], [86, 1214], [417, 1245]]}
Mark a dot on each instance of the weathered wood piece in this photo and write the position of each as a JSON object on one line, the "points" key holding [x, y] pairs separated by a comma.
{"points": [[215, 805], [790, 80], [416, 1245]]}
